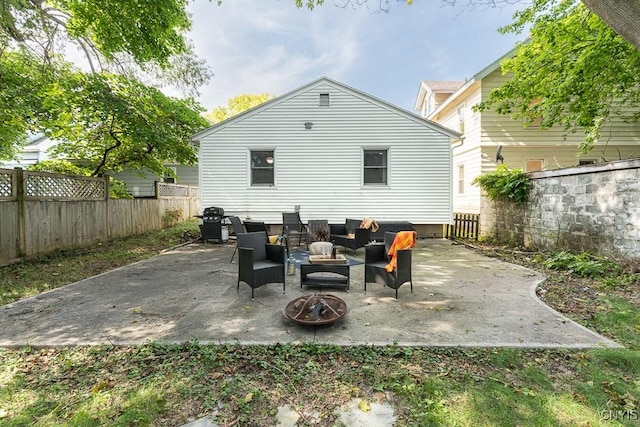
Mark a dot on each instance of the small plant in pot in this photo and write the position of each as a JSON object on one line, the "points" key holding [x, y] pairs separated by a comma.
{"points": [[321, 235]]}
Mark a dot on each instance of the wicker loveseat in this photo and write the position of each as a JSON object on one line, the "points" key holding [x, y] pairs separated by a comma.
{"points": [[349, 234]]}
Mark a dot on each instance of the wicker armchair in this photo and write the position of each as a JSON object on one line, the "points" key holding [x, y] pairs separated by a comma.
{"points": [[350, 235], [238, 227], [376, 259], [259, 263], [292, 226]]}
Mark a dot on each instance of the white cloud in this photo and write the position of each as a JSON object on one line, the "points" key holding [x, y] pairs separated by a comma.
{"points": [[257, 46]]}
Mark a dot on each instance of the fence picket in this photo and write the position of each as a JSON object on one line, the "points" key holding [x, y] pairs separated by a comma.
{"points": [[52, 211], [465, 226]]}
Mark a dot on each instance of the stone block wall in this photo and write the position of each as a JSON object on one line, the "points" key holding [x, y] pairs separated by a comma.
{"points": [[587, 208]]}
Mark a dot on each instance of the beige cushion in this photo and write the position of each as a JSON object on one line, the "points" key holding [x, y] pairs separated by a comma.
{"points": [[320, 248]]}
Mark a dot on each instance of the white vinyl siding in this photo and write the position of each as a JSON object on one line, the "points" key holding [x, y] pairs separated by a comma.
{"points": [[321, 169]]}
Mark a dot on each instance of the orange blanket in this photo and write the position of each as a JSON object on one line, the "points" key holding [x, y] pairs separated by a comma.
{"points": [[403, 240]]}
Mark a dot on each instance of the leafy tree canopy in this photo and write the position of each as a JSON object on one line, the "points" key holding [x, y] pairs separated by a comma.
{"points": [[573, 71], [237, 105], [112, 122], [147, 30], [143, 40]]}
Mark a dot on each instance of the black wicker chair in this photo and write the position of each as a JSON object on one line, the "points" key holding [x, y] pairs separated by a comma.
{"points": [[340, 235], [376, 259], [259, 263], [238, 228], [292, 226]]}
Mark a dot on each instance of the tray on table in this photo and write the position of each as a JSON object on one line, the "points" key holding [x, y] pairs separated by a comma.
{"points": [[326, 259]]}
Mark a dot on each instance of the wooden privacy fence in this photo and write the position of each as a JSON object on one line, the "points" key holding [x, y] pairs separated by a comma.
{"points": [[465, 226], [40, 211]]}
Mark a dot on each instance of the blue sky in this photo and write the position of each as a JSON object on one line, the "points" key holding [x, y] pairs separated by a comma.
{"points": [[270, 46]]}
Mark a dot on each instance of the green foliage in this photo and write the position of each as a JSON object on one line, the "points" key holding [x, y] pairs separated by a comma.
{"points": [[142, 39], [583, 264], [172, 217], [237, 105], [146, 30], [112, 122], [60, 166], [505, 184], [21, 79], [573, 71]]}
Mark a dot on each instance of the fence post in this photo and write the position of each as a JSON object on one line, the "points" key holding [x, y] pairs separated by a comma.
{"points": [[107, 215], [22, 232]]}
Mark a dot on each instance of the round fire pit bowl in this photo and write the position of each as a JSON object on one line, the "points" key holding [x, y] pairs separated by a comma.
{"points": [[318, 309]]}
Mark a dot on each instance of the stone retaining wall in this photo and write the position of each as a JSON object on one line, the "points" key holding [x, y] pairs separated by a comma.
{"points": [[587, 208]]}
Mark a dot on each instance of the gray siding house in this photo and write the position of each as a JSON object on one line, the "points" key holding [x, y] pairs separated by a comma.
{"points": [[332, 152]]}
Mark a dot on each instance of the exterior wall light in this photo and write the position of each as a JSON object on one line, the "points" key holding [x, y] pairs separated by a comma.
{"points": [[308, 125]]}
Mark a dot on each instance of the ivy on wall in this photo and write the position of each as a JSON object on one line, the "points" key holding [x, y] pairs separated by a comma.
{"points": [[505, 184]]}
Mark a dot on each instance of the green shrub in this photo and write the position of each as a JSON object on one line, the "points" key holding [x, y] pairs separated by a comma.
{"points": [[584, 264], [505, 184]]}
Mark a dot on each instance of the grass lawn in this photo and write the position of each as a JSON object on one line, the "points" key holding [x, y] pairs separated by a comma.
{"points": [[158, 384]]}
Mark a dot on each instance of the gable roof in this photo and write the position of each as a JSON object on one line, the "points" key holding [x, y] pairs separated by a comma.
{"points": [[477, 77], [324, 81], [436, 86]]}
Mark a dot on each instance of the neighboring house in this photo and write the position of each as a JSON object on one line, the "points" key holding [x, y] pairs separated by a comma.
{"points": [[529, 148], [333, 152], [139, 183], [35, 150]]}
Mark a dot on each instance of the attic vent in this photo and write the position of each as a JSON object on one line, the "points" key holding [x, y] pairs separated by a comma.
{"points": [[324, 99]]}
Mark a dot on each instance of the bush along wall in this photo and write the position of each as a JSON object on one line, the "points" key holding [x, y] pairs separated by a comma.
{"points": [[508, 190]]}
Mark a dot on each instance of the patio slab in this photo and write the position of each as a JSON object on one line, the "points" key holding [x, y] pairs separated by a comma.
{"points": [[460, 298]]}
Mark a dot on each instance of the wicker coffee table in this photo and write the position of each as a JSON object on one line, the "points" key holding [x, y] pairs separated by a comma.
{"points": [[329, 274]]}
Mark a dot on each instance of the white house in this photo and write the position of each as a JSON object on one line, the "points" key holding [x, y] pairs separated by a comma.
{"points": [[333, 152], [529, 148], [35, 150]]}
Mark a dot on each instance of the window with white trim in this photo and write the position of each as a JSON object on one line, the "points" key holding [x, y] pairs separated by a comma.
{"points": [[170, 178], [460, 179], [460, 112], [375, 167], [324, 100], [262, 167]]}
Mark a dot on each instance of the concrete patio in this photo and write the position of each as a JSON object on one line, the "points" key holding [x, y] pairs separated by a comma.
{"points": [[460, 298]]}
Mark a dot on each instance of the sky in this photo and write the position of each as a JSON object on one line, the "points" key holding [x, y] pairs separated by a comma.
{"points": [[270, 46]]}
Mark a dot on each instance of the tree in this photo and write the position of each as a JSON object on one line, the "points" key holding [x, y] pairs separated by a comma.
{"points": [[143, 40], [237, 105], [112, 122], [21, 79], [573, 71], [621, 15]]}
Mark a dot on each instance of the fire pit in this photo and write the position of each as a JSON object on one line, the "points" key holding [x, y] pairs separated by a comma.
{"points": [[316, 309]]}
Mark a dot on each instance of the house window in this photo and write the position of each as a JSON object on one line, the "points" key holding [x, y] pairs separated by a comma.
{"points": [[587, 162], [169, 177], [431, 102], [324, 99], [460, 179], [262, 167], [375, 167], [533, 165], [460, 112]]}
